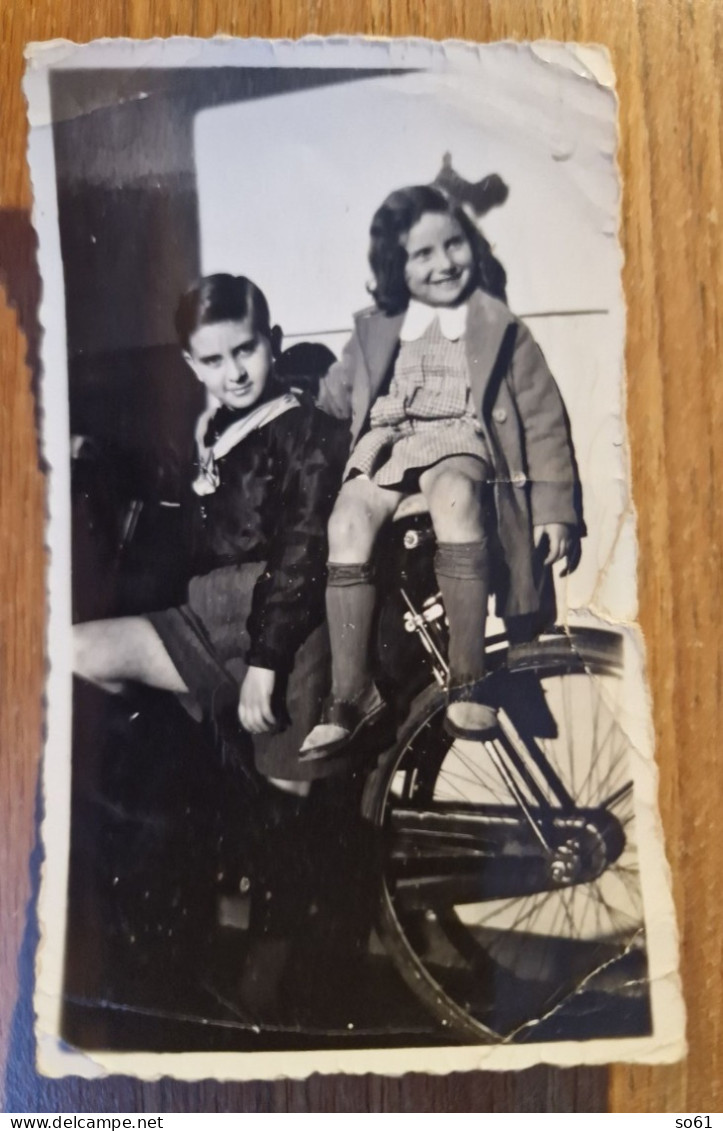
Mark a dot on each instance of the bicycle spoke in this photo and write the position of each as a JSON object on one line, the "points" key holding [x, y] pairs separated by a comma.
{"points": [[567, 715], [482, 778], [617, 917], [456, 781], [566, 901], [594, 785]]}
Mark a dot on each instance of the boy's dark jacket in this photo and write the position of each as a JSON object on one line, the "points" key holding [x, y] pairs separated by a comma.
{"points": [[277, 488], [519, 410]]}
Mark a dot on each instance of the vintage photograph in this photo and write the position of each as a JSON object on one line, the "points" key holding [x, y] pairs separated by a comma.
{"points": [[349, 761]]}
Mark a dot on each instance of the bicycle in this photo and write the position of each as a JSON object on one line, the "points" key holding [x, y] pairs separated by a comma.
{"points": [[506, 869], [503, 873]]}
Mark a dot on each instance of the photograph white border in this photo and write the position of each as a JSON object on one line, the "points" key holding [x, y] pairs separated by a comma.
{"points": [[666, 1044]]}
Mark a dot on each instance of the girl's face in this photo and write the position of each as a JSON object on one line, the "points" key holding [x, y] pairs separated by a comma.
{"points": [[440, 262], [233, 360]]}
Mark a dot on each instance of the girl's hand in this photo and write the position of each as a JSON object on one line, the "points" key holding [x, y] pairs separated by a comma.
{"points": [[562, 541], [254, 708]]}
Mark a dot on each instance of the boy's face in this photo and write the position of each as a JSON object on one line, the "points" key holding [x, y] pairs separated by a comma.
{"points": [[233, 360], [440, 261]]}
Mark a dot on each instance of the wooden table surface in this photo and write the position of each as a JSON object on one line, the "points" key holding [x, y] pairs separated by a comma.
{"points": [[668, 55]]}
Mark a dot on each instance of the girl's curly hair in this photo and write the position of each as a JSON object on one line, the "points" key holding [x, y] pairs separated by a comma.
{"points": [[387, 256]]}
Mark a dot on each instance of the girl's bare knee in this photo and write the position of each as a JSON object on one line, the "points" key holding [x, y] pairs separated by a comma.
{"points": [[452, 490], [455, 504], [352, 531]]}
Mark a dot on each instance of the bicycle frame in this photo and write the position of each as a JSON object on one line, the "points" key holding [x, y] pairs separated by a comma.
{"points": [[538, 841]]}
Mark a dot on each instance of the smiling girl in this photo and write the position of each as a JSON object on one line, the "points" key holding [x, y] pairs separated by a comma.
{"points": [[449, 395]]}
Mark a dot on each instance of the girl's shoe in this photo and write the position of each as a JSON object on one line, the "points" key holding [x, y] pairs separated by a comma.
{"points": [[468, 714], [341, 721]]}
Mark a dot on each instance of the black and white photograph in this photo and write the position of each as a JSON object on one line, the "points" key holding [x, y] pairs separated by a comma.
{"points": [[349, 760]]}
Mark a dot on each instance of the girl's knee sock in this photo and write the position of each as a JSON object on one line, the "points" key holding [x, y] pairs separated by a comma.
{"points": [[350, 603], [463, 571]]}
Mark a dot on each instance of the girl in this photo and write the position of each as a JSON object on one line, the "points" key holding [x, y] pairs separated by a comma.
{"points": [[250, 637], [449, 395]]}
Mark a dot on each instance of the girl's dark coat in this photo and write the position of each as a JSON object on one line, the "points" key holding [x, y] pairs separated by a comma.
{"points": [[519, 410]]}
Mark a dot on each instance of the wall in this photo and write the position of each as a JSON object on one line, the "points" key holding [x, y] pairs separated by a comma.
{"points": [[290, 203]]}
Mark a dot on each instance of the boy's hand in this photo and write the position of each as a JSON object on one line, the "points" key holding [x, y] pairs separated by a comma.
{"points": [[254, 708], [560, 541]]}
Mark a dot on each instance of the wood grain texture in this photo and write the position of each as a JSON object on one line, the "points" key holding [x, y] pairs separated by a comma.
{"points": [[668, 55]]}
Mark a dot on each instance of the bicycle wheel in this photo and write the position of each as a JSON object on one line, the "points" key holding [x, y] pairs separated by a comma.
{"points": [[508, 870]]}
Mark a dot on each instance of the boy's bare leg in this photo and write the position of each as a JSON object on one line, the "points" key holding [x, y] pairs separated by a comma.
{"points": [[288, 785], [110, 652]]}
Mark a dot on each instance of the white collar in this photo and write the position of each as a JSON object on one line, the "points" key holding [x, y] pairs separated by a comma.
{"points": [[208, 477], [419, 317]]}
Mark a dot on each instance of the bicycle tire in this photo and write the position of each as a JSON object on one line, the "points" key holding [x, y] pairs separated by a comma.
{"points": [[483, 977]]}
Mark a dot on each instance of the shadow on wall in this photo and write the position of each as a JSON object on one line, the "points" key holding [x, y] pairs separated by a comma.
{"points": [[127, 195]]}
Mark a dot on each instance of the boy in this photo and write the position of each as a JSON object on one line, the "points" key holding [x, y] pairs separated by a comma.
{"points": [[268, 467]]}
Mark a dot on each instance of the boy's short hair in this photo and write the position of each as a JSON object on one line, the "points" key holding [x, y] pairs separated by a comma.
{"points": [[221, 298], [393, 220]]}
